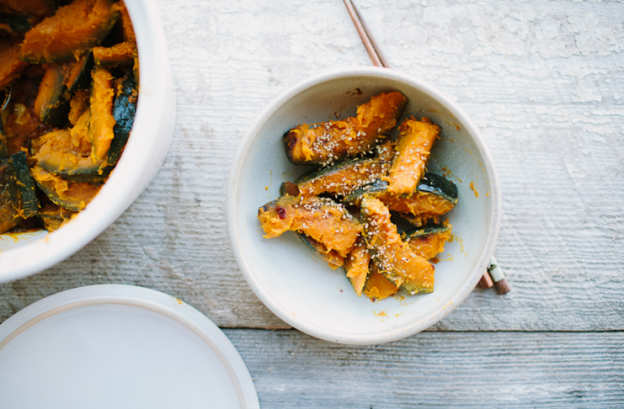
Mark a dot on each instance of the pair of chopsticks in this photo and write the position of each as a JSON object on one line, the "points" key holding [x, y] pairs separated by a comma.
{"points": [[494, 275]]}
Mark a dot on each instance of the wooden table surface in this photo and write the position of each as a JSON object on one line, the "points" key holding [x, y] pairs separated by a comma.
{"points": [[545, 84]]}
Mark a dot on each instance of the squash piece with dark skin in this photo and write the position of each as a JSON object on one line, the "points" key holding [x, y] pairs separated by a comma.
{"points": [[356, 266], [117, 55], [377, 286], [394, 258], [327, 142], [10, 64], [54, 216], [343, 178], [70, 32], [9, 197], [124, 111], [69, 195], [323, 220], [52, 102], [102, 121], [78, 73], [29, 204], [331, 257], [429, 241], [413, 148]]}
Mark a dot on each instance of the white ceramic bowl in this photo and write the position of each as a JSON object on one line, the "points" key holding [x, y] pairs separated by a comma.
{"points": [[293, 282], [28, 253]]}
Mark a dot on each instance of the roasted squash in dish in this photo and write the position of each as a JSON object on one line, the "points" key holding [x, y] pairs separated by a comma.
{"points": [[68, 77], [344, 210]]}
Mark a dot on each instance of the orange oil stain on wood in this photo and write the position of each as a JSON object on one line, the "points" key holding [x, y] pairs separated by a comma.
{"points": [[474, 189]]}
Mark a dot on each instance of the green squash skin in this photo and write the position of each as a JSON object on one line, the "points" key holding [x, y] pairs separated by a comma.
{"points": [[87, 174], [9, 197], [425, 231], [52, 220], [83, 80], [19, 23], [25, 185], [56, 107], [378, 186], [438, 185], [332, 171], [305, 240], [124, 110]]}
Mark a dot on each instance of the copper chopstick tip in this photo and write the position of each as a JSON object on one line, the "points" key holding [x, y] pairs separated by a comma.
{"points": [[486, 281], [500, 281]]}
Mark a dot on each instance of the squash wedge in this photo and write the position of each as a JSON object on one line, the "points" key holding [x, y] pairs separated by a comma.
{"points": [[356, 266], [54, 216], [328, 142], [29, 204], [428, 241], [102, 121], [377, 286], [9, 197], [331, 257], [69, 195], [70, 32], [394, 258], [119, 54], [52, 102]]}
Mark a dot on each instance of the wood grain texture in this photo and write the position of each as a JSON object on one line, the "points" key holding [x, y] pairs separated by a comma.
{"points": [[448, 370], [543, 81]]}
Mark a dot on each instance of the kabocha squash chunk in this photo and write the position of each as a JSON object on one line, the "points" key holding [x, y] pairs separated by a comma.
{"points": [[102, 121], [70, 32], [10, 64], [69, 195], [356, 266], [54, 216], [385, 150], [124, 110], [52, 102], [324, 143], [29, 205], [78, 73], [393, 257], [378, 286], [323, 220], [9, 197], [343, 178], [78, 105], [412, 152], [119, 54], [331, 257], [429, 241]]}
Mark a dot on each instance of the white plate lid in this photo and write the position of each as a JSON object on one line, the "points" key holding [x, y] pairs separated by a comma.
{"points": [[117, 346]]}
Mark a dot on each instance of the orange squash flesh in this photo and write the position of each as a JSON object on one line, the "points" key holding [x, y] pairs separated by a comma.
{"points": [[385, 150], [324, 143], [78, 105], [70, 32], [429, 246], [119, 54], [393, 256], [345, 179], [69, 195], [331, 257], [377, 286], [422, 204], [412, 152], [10, 64], [102, 121], [52, 85], [321, 219], [356, 265]]}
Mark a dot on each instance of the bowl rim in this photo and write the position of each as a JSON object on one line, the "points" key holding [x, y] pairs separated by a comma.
{"points": [[232, 207], [155, 116]]}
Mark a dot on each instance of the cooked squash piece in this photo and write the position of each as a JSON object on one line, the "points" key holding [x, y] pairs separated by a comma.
{"points": [[378, 286], [429, 241], [9, 197], [119, 54], [29, 205], [67, 153], [10, 64], [327, 142], [331, 257], [38, 8], [393, 257], [356, 266], [385, 150], [70, 32], [102, 121], [124, 110], [412, 152], [54, 216], [343, 178], [52, 102], [323, 220], [126, 23], [78, 73], [69, 195]]}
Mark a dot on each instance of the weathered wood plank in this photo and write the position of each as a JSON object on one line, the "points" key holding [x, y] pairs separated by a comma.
{"points": [[449, 370], [544, 82]]}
